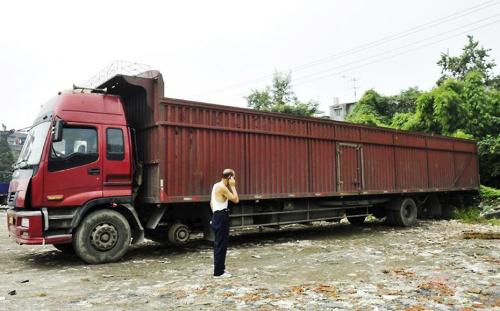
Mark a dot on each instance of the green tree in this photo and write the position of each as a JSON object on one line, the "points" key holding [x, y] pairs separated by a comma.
{"points": [[376, 109], [371, 109], [281, 98], [6, 158], [489, 160], [473, 58]]}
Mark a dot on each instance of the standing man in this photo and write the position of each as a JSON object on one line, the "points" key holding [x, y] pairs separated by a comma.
{"points": [[222, 192]]}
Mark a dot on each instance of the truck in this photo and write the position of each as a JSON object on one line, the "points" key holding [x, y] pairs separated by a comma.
{"points": [[104, 168]]}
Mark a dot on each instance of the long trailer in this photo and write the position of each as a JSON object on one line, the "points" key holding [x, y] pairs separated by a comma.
{"points": [[145, 164]]}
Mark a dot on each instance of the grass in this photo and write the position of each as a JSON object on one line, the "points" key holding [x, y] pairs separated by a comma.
{"points": [[488, 193], [489, 199]]}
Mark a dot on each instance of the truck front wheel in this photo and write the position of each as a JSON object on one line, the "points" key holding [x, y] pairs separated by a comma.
{"points": [[103, 236]]}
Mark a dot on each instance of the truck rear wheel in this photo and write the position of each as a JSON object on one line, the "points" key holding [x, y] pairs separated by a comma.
{"points": [[103, 236], [178, 234], [402, 212]]}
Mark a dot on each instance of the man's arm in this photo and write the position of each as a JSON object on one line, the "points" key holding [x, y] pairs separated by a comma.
{"points": [[231, 195]]}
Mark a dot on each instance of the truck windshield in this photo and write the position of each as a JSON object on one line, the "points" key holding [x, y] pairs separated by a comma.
{"points": [[33, 146]]}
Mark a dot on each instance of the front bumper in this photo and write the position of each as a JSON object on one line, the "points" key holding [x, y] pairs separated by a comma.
{"points": [[27, 227]]}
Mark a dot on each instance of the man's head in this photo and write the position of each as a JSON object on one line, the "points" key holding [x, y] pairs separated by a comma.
{"points": [[227, 174]]}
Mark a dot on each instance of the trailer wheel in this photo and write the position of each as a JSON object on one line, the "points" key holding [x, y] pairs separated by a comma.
{"points": [[103, 236], [402, 213], [178, 234], [65, 248]]}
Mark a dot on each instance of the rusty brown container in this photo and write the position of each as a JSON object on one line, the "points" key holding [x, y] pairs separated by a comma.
{"points": [[185, 145]]}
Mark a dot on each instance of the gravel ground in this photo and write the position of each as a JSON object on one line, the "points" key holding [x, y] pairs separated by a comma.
{"points": [[326, 266]]}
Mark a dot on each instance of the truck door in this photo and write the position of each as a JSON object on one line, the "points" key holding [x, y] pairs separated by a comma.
{"points": [[117, 176], [350, 177], [73, 176]]}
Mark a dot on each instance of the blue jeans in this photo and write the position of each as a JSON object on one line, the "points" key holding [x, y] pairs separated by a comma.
{"points": [[220, 225]]}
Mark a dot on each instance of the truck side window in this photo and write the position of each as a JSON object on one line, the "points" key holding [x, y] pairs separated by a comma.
{"points": [[78, 147], [114, 145]]}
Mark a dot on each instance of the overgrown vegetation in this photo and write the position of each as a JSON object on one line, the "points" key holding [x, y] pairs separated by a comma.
{"points": [[488, 201]]}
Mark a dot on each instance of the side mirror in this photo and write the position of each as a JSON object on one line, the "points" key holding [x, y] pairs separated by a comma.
{"points": [[57, 131]]}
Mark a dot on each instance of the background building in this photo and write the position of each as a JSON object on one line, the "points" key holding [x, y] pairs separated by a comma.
{"points": [[339, 111]]}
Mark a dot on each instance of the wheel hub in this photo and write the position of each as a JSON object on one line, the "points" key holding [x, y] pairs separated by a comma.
{"points": [[104, 237]]}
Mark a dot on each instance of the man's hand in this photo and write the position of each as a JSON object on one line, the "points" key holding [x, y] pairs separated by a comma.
{"points": [[232, 182]]}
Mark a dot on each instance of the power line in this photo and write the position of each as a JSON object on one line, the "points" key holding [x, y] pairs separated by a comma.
{"points": [[394, 55], [327, 74], [369, 45], [397, 48]]}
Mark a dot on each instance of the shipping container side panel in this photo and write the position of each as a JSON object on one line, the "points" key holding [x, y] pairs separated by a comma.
{"points": [[441, 169], [323, 169], [464, 146], [347, 133], [197, 157], [409, 140], [439, 143], [411, 169], [269, 163], [466, 171], [376, 136], [277, 165], [322, 130], [201, 116], [378, 168]]}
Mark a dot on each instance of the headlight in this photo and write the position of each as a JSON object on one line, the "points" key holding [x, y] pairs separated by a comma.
{"points": [[25, 222]]}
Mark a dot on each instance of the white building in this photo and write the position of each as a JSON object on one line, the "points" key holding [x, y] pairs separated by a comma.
{"points": [[339, 111]]}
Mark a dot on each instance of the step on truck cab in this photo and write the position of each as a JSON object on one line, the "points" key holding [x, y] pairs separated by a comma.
{"points": [[103, 168]]}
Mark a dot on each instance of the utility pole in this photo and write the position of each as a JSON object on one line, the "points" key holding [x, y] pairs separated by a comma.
{"points": [[354, 85]]}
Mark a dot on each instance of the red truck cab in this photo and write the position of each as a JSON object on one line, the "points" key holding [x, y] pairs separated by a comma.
{"points": [[58, 179]]}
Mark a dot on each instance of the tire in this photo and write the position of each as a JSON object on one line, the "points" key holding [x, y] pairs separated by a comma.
{"points": [[103, 236], [402, 212], [65, 248], [178, 234]]}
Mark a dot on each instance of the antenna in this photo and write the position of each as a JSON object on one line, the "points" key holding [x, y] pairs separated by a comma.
{"points": [[354, 87]]}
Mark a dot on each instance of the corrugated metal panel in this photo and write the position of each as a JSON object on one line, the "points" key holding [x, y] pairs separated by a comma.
{"points": [[439, 143], [376, 136], [441, 169], [411, 168], [379, 168], [323, 169], [347, 133], [409, 140], [466, 170], [185, 145], [283, 156]]}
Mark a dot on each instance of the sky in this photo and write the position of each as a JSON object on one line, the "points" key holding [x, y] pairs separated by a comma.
{"points": [[218, 51]]}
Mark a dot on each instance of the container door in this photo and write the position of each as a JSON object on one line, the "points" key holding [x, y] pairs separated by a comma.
{"points": [[349, 167]]}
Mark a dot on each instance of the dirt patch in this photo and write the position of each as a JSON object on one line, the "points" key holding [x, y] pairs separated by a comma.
{"points": [[325, 266]]}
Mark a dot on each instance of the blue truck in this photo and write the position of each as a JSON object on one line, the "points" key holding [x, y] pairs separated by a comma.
{"points": [[4, 189]]}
